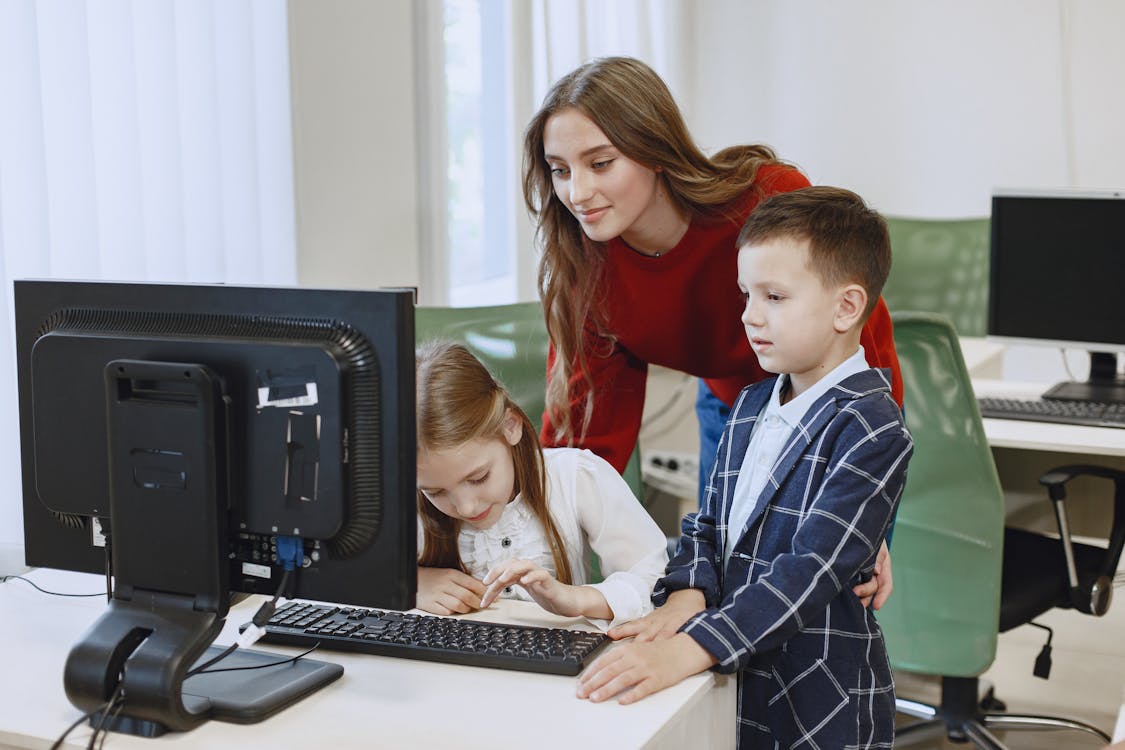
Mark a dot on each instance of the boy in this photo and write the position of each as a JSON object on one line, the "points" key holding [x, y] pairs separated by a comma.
{"points": [[809, 472]]}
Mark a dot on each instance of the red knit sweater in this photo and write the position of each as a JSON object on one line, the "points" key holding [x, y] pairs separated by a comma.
{"points": [[682, 310]]}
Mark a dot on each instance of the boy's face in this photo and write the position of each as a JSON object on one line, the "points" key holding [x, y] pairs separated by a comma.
{"points": [[792, 319]]}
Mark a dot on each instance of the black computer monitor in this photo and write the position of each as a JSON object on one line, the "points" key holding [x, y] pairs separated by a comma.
{"points": [[180, 435], [1057, 260]]}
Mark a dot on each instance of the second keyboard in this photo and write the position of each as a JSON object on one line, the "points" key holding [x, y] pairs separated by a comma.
{"points": [[432, 638], [1086, 413]]}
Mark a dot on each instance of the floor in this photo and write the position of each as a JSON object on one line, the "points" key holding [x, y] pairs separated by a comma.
{"points": [[1087, 679]]}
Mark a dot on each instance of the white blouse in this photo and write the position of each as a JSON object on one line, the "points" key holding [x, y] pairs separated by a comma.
{"points": [[594, 510]]}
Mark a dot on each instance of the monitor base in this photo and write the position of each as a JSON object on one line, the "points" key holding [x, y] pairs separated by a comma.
{"points": [[256, 688], [1102, 391]]}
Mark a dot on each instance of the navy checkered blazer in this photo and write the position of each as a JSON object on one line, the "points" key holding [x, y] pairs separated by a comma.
{"points": [[812, 666]]}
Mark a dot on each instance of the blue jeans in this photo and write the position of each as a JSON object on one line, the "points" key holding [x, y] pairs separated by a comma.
{"points": [[712, 414]]}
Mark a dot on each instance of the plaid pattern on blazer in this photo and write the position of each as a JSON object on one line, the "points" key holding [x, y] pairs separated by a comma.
{"points": [[812, 665]]}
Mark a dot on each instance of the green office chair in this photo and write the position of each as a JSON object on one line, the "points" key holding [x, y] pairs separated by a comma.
{"points": [[941, 266], [511, 340], [944, 616]]}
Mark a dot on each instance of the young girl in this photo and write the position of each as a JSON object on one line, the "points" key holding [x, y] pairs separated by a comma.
{"points": [[502, 517]]}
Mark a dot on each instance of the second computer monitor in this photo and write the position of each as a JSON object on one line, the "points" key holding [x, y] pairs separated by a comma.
{"points": [[1057, 260]]}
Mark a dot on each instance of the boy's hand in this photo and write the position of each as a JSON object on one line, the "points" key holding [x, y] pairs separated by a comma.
{"points": [[876, 591], [634, 670], [445, 591], [550, 594], [663, 622]]}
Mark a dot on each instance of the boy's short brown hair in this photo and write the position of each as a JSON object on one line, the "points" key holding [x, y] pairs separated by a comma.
{"points": [[848, 242]]}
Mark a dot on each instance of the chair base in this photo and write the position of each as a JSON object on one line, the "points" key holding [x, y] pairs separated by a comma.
{"points": [[961, 719]]}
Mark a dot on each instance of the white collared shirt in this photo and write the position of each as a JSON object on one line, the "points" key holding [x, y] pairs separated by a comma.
{"points": [[774, 426]]}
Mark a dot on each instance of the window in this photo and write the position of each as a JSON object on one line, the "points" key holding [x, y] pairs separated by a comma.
{"points": [[481, 261]]}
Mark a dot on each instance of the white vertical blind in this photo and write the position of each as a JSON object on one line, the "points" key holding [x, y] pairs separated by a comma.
{"points": [[139, 140]]}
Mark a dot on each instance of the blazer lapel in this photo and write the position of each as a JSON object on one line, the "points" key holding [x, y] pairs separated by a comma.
{"points": [[822, 412]]}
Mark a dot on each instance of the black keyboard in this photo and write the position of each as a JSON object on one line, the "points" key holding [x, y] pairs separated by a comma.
{"points": [[432, 638], [1050, 410]]}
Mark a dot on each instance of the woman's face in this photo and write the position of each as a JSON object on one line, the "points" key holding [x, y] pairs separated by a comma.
{"points": [[607, 192], [474, 481]]}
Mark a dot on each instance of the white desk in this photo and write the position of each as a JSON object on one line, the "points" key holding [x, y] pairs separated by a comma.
{"points": [[379, 702]]}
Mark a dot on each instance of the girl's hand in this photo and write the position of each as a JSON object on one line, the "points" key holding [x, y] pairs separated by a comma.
{"points": [[635, 670], [663, 622], [444, 591], [553, 596]]}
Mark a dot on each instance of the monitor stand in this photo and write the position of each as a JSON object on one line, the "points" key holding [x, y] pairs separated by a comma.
{"points": [[245, 687], [165, 424], [1104, 385]]}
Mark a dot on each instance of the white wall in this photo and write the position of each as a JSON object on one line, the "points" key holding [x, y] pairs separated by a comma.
{"points": [[353, 92], [921, 107]]}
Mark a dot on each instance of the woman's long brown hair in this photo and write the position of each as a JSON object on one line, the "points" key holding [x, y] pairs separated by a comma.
{"points": [[630, 103], [458, 400]]}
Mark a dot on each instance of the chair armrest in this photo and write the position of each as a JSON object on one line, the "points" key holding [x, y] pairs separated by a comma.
{"points": [[1091, 596], [1056, 479]]}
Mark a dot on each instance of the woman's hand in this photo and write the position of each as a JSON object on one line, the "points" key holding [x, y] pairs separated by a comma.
{"points": [[547, 591], [876, 591], [663, 622], [445, 591]]}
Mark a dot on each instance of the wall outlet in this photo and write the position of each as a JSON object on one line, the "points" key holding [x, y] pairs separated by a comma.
{"points": [[672, 472]]}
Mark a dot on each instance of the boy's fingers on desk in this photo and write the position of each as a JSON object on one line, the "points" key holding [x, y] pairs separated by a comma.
{"points": [[598, 673], [624, 676]]}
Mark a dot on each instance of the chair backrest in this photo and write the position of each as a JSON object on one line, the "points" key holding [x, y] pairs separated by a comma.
{"points": [[943, 617], [511, 340], [941, 266]]}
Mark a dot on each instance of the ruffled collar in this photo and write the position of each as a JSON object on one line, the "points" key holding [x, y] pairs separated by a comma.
{"points": [[516, 534]]}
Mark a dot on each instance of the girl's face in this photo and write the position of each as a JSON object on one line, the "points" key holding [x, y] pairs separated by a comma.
{"points": [[607, 192], [475, 480]]}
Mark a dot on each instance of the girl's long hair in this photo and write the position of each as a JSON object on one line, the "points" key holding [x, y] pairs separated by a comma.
{"points": [[630, 103], [458, 400]]}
